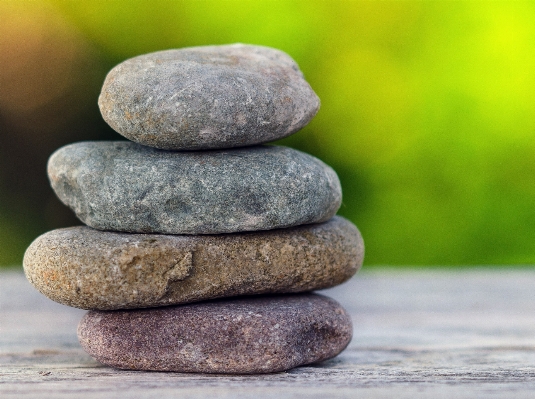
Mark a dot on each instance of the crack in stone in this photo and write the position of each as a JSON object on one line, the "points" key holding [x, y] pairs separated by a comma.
{"points": [[179, 271]]}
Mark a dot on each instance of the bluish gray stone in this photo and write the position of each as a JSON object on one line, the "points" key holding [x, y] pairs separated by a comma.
{"points": [[123, 186], [207, 97]]}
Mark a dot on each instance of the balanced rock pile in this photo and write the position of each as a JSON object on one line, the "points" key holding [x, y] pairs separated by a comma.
{"points": [[194, 210]]}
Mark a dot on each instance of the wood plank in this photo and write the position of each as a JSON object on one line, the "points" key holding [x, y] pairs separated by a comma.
{"points": [[430, 334]]}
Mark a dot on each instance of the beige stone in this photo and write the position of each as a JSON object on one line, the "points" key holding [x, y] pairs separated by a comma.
{"points": [[92, 269]]}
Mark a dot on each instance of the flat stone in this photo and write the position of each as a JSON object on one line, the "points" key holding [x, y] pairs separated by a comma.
{"points": [[207, 97], [91, 269], [124, 186], [238, 336]]}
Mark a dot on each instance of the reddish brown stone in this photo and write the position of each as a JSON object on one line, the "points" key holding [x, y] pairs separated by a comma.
{"points": [[237, 336]]}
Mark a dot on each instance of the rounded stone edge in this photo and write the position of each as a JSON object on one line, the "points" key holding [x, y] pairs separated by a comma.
{"points": [[161, 144], [96, 345], [62, 181], [50, 275]]}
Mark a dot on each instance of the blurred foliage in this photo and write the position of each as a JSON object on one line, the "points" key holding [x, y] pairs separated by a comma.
{"points": [[427, 109]]}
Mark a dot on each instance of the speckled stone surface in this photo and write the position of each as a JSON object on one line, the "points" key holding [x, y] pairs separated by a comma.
{"points": [[92, 269], [207, 97], [238, 336], [124, 186]]}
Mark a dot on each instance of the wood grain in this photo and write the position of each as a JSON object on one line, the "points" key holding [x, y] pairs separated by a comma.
{"points": [[417, 334]]}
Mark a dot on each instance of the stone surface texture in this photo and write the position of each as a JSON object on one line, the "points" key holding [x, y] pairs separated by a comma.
{"points": [[124, 186], [207, 97], [238, 336], [92, 269]]}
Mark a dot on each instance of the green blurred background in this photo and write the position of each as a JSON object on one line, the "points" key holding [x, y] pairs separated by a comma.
{"points": [[428, 110]]}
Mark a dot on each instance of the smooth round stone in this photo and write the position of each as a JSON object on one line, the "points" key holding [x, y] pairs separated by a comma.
{"points": [[207, 97], [92, 269], [239, 336], [123, 186]]}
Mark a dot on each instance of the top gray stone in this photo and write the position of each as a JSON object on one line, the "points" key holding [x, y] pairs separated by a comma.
{"points": [[207, 97], [124, 186]]}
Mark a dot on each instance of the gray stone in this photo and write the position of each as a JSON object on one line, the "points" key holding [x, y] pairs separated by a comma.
{"points": [[207, 97], [123, 186], [238, 336], [92, 269]]}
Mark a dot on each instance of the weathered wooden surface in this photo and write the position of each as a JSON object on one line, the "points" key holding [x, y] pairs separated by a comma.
{"points": [[432, 334]]}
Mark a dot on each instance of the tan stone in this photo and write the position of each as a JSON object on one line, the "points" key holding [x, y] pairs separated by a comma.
{"points": [[92, 269]]}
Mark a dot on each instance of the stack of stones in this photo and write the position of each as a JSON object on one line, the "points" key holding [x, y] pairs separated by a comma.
{"points": [[201, 245]]}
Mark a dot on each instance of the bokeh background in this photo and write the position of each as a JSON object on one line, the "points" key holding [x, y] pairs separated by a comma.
{"points": [[428, 110]]}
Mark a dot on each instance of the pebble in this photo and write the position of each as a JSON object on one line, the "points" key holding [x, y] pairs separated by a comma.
{"points": [[234, 336], [207, 97], [124, 186], [91, 269]]}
